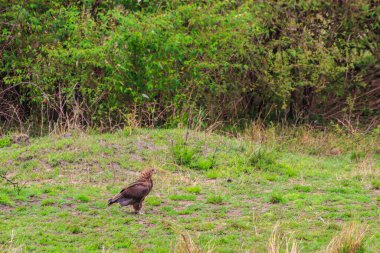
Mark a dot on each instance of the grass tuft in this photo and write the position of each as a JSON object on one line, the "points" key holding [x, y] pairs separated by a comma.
{"points": [[186, 245], [279, 243], [276, 198], [193, 189], [349, 240], [217, 200], [83, 198], [183, 197], [10, 247]]}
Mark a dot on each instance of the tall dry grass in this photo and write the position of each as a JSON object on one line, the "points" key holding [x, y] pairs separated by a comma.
{"points": [[10, 247], [185, 244], [349, 240], [279, 242]]}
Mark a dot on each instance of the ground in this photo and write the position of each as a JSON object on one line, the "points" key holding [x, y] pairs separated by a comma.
{"points": [[217, 193]]}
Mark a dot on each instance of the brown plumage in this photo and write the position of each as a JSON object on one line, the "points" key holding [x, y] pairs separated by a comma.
{"points": [[136, 192]]}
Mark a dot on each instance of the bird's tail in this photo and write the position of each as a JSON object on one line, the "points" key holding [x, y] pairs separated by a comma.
{"points": [[114, 199]]}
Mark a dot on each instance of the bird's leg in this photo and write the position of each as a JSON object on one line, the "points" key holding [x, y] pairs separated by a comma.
{"points": [[137, 208]]}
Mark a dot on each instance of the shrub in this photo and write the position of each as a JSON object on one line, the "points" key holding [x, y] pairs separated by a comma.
{"points": [[191, 63]]}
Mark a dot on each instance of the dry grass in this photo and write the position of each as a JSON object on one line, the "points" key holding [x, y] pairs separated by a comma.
{"points": [[10, 247], [366, 168], [349, 240], [186, 245], [278, 242]]}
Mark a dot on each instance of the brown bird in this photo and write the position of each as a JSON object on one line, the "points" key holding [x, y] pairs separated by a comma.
{"points": [[135, 193]]}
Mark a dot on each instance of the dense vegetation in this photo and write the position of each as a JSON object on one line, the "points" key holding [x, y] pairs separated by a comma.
{"points": [[103, 63]]}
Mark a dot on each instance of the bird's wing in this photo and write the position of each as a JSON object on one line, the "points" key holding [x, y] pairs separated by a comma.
{"points": [[136, 190]]}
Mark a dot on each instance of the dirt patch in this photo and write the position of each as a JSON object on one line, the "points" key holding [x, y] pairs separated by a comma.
{"points": [[262, 208], [146, 224], [182, 205], [141, 145], [6, 208], [136, 157], [234, 212]]}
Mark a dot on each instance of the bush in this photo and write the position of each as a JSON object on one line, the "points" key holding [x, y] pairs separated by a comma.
{"points": [[188, 62]]}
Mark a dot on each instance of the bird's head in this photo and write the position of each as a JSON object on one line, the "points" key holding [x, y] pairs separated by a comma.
{"points": [[148, 173]]}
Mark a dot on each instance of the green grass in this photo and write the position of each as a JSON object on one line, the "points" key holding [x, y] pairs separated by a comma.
{"points": [[232, 205]]}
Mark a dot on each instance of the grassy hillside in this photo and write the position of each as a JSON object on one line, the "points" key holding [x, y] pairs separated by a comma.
{"points": [[212, 192]]}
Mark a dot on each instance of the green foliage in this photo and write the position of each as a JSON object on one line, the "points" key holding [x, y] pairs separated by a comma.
{"points": [[5, 141], [185, 62]]}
